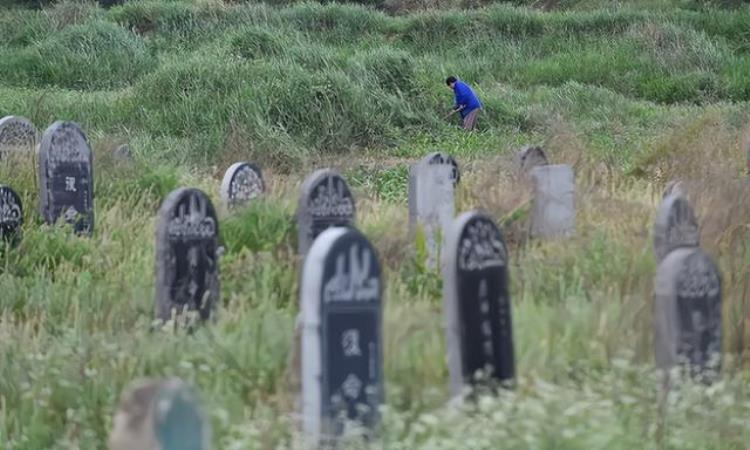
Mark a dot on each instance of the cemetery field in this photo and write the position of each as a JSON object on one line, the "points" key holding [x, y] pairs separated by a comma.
{"points": [[630, 98]]}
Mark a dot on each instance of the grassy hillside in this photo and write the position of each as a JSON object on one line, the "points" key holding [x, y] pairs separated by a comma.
{"points": [[631, 97]]}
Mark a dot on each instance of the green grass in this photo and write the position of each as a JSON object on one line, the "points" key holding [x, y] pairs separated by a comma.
{"points": [[632, 95]]}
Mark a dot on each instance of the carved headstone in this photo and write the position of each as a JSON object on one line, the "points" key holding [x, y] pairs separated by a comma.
{"points": [[160, 415], [477, 303], [66, 177], [531, 156], [341, 334], [17, 134], [242, 183], [687, 312], [325, 201], [431, 200], [554, 213], [187, 266], [11, 214], [675, 227]]}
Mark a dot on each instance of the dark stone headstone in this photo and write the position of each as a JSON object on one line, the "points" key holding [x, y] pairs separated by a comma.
{"points": [[341, 334], [554, 213], [687, 312], [242, 182], [17, 134], [187, 266], [675, 227], [66, 177], [160, 415], [477, 303], [11, 215], [531, 156], [325, 201]]}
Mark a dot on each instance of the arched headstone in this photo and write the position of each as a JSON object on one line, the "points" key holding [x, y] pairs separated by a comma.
{"points": [[432, 182], [325, 201], [687, 312], [341, 334], [17, 134], [531, 156], [476, 293], [187, 266], [160, 415], [675, 227], [66, 177], [554, 213], [11, 214], [242, 182], [674, 187]]}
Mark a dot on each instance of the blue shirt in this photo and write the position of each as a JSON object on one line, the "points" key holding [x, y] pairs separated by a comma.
{"points": [[465, 97]]}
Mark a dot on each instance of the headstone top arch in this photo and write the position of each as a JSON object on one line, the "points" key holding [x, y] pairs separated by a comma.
{"points": [[325, 201], [676, 226], [531, 156], [187, 266], [440, 158], [341, 302], [11, 214], [17, 133], [242, 182]]}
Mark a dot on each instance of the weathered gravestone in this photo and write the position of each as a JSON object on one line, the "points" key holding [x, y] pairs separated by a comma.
{"points": [[554, 213], [187, 266], [476, 293], [17, 134], [11, 214], [160, 415], [687, 312], [325, 201], [341, 335], [432, 182], [674, 187], [531, 156], [66, 177], [675, 226], [242, 182]]}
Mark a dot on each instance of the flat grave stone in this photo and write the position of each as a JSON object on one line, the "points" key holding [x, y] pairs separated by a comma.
{"points": [[477, 304], [553, 212], [160, 415], [325, 201], [676, 226], [242, 182], [11, 215], [187, 266], [66, 177], [17, 134], [687, 312], [531, 156], [341, 301]]}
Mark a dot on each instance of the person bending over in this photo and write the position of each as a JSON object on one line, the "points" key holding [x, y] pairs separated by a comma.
{"points": [[467, 103]]}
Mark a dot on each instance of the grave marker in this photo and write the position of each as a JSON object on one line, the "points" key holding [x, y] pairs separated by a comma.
{"points": [[242, 182], [66, 177], [11, 214], [160, 415], [687, 312], [17, 134], [554, 213], [675, 226], [432, 183], [325, 201], [187, 267], [531, 156], [477, 306], [341, 334]]}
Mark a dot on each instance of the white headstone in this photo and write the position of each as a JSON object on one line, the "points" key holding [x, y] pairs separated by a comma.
{"points": [[676, 226], [554, 213], [17, 134], [242, 182]]}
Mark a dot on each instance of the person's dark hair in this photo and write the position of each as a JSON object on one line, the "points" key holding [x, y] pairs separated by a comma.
{"points": [[450, 80]]}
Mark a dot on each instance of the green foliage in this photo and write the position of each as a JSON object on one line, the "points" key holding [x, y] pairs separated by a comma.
{"points": [[260, 226]]}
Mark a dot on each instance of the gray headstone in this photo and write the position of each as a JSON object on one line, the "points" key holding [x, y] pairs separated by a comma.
{"points": [[17, 134], [66, 177], [187, 244], [554, 213], [675, 227], [123, 154], [11, 215], [242, 182], [531, 156], [674, 187], [342, 352], [687, 312], [432, 183], [477, 303], [325, 201], [160, 415]]}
